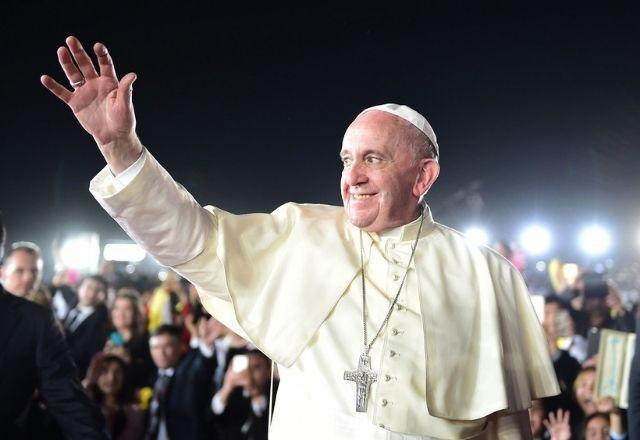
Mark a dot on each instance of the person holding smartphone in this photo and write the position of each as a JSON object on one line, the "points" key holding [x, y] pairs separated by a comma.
{"points": [[240, 406]]}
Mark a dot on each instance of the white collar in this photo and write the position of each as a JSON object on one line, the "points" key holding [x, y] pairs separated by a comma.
{"points": [[166, 372]]}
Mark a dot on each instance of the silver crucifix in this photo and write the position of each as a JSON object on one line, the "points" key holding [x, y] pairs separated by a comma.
{"points": [[363, 376]]}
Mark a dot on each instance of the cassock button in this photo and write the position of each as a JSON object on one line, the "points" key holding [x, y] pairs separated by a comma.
{"points": [[384, 402], [395, 261], [396, 277], [394, 331], [392, 353], [398, 307], [387, 378], [381, 425]]}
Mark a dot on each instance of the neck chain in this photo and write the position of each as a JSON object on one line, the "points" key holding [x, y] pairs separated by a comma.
{"points": [[364, 376]]}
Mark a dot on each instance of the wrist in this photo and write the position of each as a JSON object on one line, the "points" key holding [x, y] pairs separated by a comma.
{"points": [[120, 154]]}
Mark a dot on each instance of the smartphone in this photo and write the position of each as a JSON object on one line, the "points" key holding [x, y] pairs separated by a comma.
{"points": [[116, 339], [239, 362]]}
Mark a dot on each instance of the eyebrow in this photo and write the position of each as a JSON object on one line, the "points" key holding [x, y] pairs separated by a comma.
{"points": [[364, 153]]}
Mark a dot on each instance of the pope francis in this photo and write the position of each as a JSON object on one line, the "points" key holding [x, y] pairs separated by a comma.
{"points": [[384, 323]]}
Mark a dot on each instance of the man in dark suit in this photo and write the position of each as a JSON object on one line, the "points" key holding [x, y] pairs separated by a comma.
{"points": [[240, 407], [183, 388], [33, 355], [86, 325]]}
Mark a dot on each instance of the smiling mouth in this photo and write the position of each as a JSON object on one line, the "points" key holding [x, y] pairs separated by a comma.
{"points": [[361, 196]]}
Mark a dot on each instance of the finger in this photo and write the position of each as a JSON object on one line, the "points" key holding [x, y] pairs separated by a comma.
{"points": [[565, 419], [104, 61], [125, 87], [552, 418], [82, 59], [69, 67], [547, 425], [55, 88]]}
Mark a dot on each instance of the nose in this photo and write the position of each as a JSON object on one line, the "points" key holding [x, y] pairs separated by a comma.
{"points": [[355, 174]]}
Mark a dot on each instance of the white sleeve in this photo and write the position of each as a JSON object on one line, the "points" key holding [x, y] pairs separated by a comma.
{"points": [[125, 177]]}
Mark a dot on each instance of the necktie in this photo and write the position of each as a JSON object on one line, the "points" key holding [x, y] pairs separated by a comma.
{"points": [[158, 403]]}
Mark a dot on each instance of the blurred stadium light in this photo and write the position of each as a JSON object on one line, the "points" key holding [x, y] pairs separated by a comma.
{"points": [[595, 240], [535, 240], [81, 252]]}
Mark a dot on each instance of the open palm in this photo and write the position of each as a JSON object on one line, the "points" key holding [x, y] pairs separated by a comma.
{"points": [[100, 102]]}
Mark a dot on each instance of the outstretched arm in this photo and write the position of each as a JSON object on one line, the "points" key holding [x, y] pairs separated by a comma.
{"points": [[100, 102]]}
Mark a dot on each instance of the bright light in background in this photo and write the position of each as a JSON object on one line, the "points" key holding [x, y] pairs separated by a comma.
{"points": [[81, 252], [129, 252], [595, 240], [478, 236], [536, 240]]}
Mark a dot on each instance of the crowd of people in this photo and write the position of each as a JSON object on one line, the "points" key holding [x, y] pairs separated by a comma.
{"points": [[147, 354], [160, 367], [578, 305]]}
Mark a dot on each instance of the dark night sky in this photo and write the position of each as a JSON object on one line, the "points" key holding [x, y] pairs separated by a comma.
{"points": [[537, 110]]}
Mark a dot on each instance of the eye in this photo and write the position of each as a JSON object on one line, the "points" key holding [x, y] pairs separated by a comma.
{"points": [[372, 160], [346, 161]]}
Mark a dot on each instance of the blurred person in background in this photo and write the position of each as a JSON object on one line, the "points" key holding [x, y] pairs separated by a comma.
{"points": [[241, 405], [86, 325], [558, 328], [536, 419], [108, 385], [129, 338], [584, 387], [34, 356], [182, 385], [597, 427], [64, 296], [164, 304]]}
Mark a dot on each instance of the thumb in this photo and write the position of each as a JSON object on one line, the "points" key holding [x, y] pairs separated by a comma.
{"points": [[125, 88]]}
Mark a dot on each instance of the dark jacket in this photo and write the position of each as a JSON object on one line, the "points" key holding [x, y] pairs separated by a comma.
{"points": [[189, 397], [33, 354], [88, 339]]}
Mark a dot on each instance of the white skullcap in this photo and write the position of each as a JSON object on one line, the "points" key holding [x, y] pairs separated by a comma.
{"points": [[411, 116]]}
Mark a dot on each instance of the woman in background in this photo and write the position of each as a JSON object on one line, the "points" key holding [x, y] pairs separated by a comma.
{"points": [[107, 385]]}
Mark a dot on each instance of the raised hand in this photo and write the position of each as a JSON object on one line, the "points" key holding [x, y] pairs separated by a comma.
{"points": [[100, 102], [558, 425]]}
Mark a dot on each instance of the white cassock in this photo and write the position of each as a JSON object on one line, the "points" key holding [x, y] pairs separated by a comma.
{"points": [[462, 355]]}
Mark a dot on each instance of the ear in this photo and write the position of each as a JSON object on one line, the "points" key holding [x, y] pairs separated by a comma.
{"points": [[427, 175]]}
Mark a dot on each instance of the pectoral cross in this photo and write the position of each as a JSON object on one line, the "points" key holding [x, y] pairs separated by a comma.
{"points": [[363, 376]]}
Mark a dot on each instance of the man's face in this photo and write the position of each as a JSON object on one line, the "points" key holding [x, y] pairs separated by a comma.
{"points": [[381, 179], [21, 273], [90, 292], [165, 350]]}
